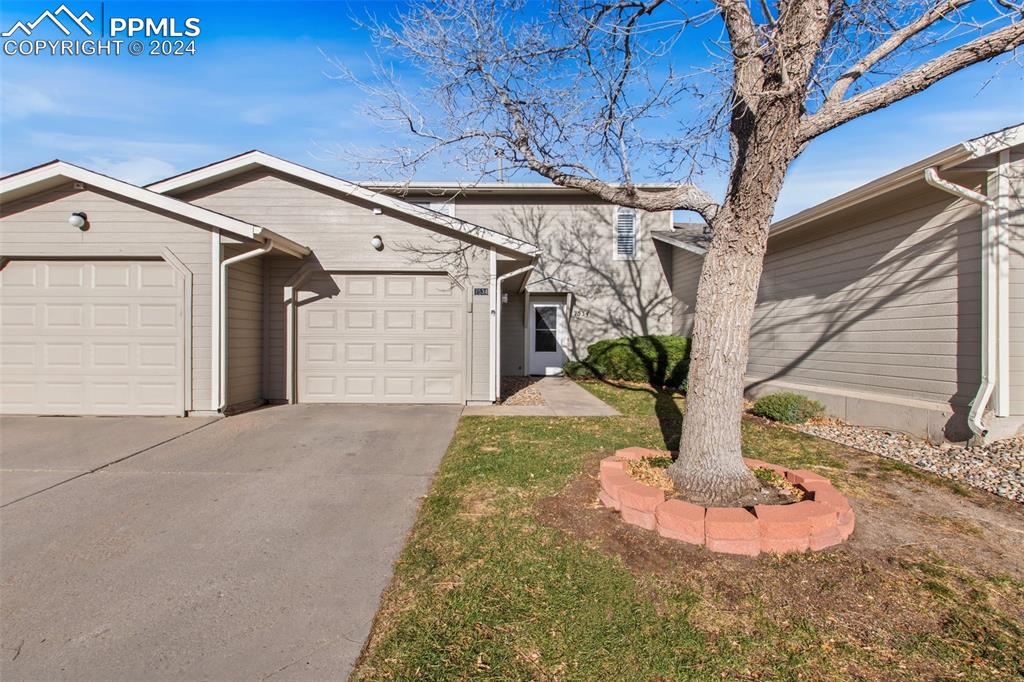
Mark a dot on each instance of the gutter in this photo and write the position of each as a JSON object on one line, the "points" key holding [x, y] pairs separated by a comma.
{"points": [[994, 289], [496, 346], [264, 249]]}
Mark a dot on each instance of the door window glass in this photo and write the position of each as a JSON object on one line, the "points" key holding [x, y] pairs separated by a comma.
{"points": [[545, 324]]}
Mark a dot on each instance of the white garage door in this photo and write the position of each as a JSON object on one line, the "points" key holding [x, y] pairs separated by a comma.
{"points": [[381, 338], [96, 337]]}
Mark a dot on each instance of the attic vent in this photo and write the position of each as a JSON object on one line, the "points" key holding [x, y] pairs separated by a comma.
{"points": [[625, 234]]}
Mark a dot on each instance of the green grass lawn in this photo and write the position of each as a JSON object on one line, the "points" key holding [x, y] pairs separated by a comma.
{"points": [[513, 571]]}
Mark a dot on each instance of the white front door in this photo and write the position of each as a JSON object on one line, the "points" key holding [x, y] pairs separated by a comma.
{"points": [[547, 334]]}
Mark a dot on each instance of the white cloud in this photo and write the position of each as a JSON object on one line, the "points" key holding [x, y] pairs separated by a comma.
{"points": [[116, 147], [138, 171], [19, 101], [257, 116]]}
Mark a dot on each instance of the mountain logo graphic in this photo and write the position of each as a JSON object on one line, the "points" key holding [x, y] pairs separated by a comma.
{"points": [[78, 20]]}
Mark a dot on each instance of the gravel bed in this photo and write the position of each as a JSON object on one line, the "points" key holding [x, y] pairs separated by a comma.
{"points": [[520, 391], [997, 468]]}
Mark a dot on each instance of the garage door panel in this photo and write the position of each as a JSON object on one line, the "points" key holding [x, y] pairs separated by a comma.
{"points": [[399, 338], [91, 337]]}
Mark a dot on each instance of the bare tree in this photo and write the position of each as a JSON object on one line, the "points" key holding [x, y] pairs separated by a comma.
{"points": [[583, 93]]}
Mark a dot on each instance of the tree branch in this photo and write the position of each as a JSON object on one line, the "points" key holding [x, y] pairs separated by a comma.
{"points": [[890, 45], [985, 47]]}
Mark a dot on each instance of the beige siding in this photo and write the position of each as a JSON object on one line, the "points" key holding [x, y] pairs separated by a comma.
{"points": [[339, 231], [1016, 223], [37, 226], [685, 277], [883, 300], [576, 236], [513, 335], [245, 329]]}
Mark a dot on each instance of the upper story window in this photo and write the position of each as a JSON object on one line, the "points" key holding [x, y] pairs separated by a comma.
{"points": [[625, 234]]}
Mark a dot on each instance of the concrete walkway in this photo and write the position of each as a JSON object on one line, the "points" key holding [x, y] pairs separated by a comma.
{"points": [[562, 398]]}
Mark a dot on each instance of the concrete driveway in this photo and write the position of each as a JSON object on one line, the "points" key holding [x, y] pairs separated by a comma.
{"points": [[250, 547]]}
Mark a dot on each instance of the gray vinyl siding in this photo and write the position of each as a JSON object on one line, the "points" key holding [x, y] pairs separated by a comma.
{"points": [[339, 230], [37, 227], [513, 335], [576, 235], [883, 299], [245, 328], [1016, 229], [685, 277]]}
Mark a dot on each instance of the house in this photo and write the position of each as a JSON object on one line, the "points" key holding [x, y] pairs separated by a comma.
{"points": [[898, 304], [254, 280]]}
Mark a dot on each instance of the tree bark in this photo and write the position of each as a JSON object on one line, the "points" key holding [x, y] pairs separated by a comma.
{"points": [[710, 469]]}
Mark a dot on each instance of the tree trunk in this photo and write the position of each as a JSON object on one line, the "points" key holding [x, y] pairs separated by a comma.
{"points": [[710, 469]]}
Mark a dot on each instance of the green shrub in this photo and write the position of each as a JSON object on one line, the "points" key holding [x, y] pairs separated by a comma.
{"points": [[788, 408], [661, 361]]}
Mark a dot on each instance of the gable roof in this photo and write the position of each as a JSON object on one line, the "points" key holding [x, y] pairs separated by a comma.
{"points": [[254, 159], [689, 236], [57, 172], [959, 153]]}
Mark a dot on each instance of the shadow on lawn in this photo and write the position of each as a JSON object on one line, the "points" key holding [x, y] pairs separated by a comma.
{"points": [[662, 381]]}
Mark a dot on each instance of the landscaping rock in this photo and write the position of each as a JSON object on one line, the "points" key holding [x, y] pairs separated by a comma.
{"points": [[997, 468]]}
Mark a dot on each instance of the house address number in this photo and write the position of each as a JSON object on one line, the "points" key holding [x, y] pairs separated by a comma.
{"points": [[480, 291]]}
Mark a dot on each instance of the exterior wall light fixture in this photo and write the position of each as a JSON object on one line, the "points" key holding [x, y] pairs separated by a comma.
{"points": [[377, 243], [79, 220]]}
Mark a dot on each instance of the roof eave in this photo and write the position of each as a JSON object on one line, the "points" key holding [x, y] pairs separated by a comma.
{"points": [[947, 158], [255, 159]]}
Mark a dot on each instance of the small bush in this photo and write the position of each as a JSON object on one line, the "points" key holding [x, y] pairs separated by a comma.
{"points": [[788, 408], [661, 361]]}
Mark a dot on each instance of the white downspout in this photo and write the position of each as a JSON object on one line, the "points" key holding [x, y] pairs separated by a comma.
{"points": [[989, 303], [497, 338], [223, 345]]}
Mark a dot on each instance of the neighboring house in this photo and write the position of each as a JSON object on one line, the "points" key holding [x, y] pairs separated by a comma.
{"points": [[255, 279], [899, 304], [599, 274]]}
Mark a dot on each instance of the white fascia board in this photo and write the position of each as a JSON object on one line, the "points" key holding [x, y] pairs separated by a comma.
{"points": [[957, 154], [22, 184], [251, 160], [490, 187]]}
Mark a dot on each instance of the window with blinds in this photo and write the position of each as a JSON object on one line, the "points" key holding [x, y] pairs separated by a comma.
{"points": [[625, 233]]}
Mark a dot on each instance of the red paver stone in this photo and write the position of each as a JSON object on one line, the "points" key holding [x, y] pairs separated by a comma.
{"points": [[607, 500], [783, 528], [612, 463], [743, 547], [611, 481], [759, 464], [640, 497], [826, 494], [635, 517], [680, 521], [846, 524], [640, 453], [802, 476], [730, 523], [824, 523]]}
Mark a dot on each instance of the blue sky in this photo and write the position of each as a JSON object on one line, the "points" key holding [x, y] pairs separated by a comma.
{"points": [[258, 80]]}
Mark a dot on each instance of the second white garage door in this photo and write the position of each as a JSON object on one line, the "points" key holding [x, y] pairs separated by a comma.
{"points": [[381, 338]]}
